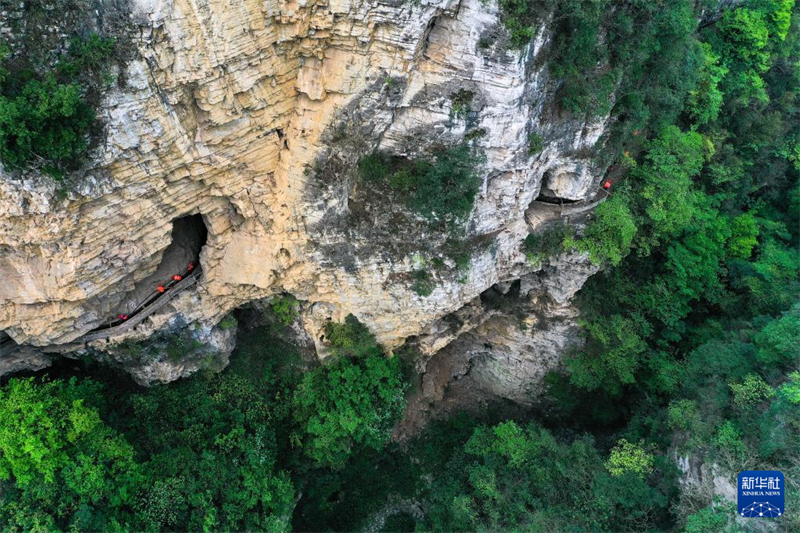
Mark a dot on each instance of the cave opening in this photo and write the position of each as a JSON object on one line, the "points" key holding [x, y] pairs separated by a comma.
{"points": [[179, 261], [6, 342], [547, 194], [189, 235], [552, 199], [501, 295]]}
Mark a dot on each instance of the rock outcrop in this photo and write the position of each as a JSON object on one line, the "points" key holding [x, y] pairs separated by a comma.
{"points": [[253, 114]]}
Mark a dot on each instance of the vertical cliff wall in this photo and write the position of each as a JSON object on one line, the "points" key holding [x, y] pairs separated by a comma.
{"points": [[253, 114]]}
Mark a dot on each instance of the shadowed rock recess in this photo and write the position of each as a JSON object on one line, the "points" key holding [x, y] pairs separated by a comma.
{"points": [[251, 117]]}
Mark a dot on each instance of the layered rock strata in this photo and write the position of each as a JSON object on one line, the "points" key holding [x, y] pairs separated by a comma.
{"points": [[253, 114]]}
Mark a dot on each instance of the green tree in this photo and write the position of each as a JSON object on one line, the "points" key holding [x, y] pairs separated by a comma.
{"points": [[744, 237], [716, 518], [609, 235], [47, 118], [439, 189], [706, 99], [351, 402], [612, 355], [779, 341], [664, 185], [209, 455], [629, 457], [751, 391], [511, 477], [65, 466]]}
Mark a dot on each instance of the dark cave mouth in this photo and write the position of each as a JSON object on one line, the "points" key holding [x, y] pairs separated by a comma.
{"points": [[189, 232], [6, 341], [179, 259], [189, 236], [549, 197]]}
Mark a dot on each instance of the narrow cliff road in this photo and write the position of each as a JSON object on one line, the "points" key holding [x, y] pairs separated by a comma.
{"points": [[147, 308]]}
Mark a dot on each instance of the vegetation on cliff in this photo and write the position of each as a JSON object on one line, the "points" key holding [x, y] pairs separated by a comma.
{"points": [[692, 336], [46, 117], [683, 335], [350, 403], [442, 188], [52, 78]]}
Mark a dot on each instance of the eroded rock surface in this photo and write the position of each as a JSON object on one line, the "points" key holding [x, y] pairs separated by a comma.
{"points": [[501, 345], [253, 114]]}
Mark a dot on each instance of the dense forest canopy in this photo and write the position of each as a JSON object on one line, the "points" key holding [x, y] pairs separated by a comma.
{"points": [[692, 327]]}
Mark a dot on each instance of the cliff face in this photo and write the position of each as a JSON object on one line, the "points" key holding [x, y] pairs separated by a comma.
{"points": [[253, 115]]}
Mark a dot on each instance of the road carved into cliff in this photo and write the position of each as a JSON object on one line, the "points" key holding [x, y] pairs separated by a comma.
{"points": [[147, 308]]}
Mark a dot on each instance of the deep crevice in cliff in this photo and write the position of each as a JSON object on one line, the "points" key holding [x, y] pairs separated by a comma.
{"points": [[181, 259], [554, 200], [189, 235]]}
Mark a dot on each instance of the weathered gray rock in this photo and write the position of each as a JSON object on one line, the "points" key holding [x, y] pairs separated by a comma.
{"points": [[500, 346], [20, 358], [254, 115]]}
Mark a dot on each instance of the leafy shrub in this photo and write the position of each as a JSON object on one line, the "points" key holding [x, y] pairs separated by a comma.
{"points": [[664, 184], [752, 391], [518, 17], [131, 349], [440, 189], [461, 103], [535, 143], [180, 344], [779, 424], [744, 233], [463, 260], [779, 341], [228, 322], [351, 402], [609, 235], [618, 343], [791, 389], [629, 457], [88, 55], [46, 118], [683, 414], [284, 308], [477, 133], [374, 167], [351, 338], [423, 284], [729, 440], [705, 100], [546, 243], [717, 518]]}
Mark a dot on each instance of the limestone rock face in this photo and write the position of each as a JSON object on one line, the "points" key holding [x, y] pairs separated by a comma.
{"points": [[253, 114], [501, 345], [161, 360]]}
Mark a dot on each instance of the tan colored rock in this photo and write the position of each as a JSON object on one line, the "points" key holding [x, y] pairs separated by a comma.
{"points": [[230, 110]]}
